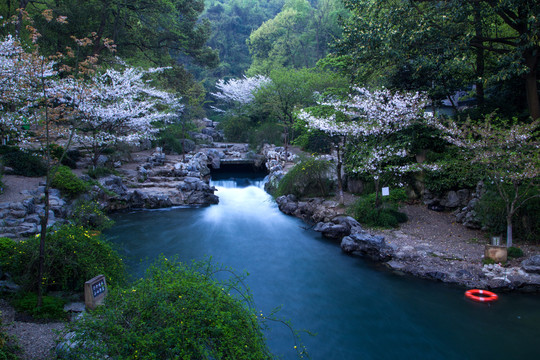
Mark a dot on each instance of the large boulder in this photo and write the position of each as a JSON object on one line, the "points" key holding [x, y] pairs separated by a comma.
{"points": [[114, 184], [332, 231], [531, 264], [287, 204], [363, 243]]}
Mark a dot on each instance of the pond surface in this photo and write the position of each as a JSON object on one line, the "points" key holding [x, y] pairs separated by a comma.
{"points": [[357, 309]]}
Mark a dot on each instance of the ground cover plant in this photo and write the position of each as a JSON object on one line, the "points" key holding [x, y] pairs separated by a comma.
{"points": [[176, 311], [309, 177], [386, 216], [74, 255]]}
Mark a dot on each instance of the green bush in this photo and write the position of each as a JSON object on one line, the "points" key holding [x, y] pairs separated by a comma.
{"points": [[456, 172], [73, 255], [9, 348], [7, 247], [514, 252], [25, 164], [491, 210], [89, 215], [314, 141], [307, 178], [176, 312], [68, 183], [70, 158], [386, 216], [52, 308], [237, 129], [170, 137], [267, 133]]}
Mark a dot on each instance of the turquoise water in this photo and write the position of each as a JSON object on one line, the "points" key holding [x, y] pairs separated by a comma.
{"points": [[357, 309]]}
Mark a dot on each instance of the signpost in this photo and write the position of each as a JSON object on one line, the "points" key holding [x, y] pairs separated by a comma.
{"points": [[95, 291]]}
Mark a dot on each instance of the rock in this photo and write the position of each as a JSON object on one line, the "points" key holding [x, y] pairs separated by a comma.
{"points": [[77, 307], [332, 231], [451, 200], [363, 243], [215, 157], [353, 225], [102, 160], [114, 184], [437, 275], [286, 204], [213, 133], [18, 213], [464, 274], [8, 286], [531, 264]]}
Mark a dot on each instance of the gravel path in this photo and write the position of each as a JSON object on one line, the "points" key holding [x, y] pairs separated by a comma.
{"points": [[36, 340]]}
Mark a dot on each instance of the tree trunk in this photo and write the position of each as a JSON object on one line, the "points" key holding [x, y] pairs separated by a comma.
{"points": [[22, 8], [509, 237], [339, 178], [479, 57], [377, 195], [531, 88]]}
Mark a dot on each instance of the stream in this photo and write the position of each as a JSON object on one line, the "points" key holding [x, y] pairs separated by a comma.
{"points": [[356, 308]]}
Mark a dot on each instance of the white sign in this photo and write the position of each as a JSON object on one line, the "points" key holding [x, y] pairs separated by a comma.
{"points": [[385, 191]]}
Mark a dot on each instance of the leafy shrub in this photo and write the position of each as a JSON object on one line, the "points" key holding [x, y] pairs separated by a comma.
{"points": [[9, 348], [386, 216], [176, 312], [170, 137], [7, 246], [307, 178], [237, 128], [455, 172], [514, 252], [74, 255], [491, 210], [267, 133], [69, 159], [89, 215], [68, 183], [25, 164], [52, 308]]}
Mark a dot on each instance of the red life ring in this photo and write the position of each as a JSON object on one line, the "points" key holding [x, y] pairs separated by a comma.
{"points": [[481, 295]]}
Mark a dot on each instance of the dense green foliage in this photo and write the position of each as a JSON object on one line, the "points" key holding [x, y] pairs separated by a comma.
{"points": [[177, 311], [154, 31], [442, 47], [297, 37], [386, 216], [89, 215], [24, 163], [232, 23], [309, 177], [9, 348], [52, 307], [455, 172], [514, 252], [491, 210], [68, 183], [74, 255]]}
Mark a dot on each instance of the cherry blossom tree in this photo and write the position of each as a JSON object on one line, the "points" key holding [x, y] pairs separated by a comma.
{"points": [[239, 91], [120, 106], [509, 155], [372, 121]]}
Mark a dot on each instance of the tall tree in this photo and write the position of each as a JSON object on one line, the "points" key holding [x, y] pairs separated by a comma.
{"points": [[443, 46], [149, 31]]}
